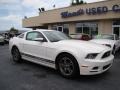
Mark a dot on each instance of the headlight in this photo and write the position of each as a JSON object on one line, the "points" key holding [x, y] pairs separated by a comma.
{"points": [[107, 45], [91, 56]]}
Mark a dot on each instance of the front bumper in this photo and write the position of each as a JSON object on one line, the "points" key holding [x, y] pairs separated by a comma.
{"points": [[92, 67]]}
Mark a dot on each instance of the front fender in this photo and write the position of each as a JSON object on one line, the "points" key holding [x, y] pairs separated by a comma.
{"points": [[78, 54]]}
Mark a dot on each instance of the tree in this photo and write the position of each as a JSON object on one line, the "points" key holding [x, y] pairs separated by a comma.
{"points": [[81, 2], [13, 31], [77, 1]]}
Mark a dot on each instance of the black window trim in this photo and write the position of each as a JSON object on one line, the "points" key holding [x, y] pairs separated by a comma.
{"points": [[45, 40]]}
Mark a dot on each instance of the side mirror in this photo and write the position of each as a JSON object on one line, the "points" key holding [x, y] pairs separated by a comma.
{"points": [[38, 39]]}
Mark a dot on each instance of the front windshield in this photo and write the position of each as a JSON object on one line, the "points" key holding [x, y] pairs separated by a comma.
{"points": [[55, 36], [111, 37]]}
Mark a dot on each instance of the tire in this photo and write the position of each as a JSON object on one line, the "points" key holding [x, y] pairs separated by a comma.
{"points": [[68, 66], [16, 56]]}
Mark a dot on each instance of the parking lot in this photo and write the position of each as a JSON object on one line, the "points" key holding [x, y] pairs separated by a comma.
{"points": [[29, 76]]}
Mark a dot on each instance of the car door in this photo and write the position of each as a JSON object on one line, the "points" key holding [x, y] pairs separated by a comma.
{"points": [[34, 48]]}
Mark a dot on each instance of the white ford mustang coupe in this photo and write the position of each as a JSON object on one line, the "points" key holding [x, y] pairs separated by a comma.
{"points": [[56, 50]]}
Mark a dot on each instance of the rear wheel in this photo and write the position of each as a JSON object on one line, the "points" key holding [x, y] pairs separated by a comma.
{"points": [[16, 55], [68, 66]]}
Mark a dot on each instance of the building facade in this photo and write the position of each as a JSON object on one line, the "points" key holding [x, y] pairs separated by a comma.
{"points": [[92, 18]]}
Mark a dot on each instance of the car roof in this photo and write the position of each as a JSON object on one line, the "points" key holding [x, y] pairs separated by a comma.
{"points": [[41, 30]]}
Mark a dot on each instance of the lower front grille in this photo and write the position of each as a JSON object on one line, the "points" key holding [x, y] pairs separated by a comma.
{"points": [[105, 67]]}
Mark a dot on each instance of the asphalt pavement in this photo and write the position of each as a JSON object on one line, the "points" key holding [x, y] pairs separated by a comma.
{"points": [[30, 76]]}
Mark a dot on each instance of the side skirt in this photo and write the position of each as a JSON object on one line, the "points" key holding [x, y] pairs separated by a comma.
{"points": [[38, 60]]}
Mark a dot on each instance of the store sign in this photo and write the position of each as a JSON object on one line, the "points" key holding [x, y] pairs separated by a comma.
{"points": [[91, 11]]}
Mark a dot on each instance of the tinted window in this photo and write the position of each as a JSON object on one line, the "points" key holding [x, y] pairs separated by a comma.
{"points": [[55, 36], [117, 22], [66, 29], [87, 28]]}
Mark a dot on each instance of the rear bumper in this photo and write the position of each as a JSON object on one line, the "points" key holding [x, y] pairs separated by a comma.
{"points": [[92, 67]]}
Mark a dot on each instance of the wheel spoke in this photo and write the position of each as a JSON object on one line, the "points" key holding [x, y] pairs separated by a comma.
{"points": [[69, 70], [66, 66], [64, 60]]}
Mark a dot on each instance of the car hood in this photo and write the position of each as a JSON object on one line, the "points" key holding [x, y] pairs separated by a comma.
{"points": [[83, 45], [103, 41]]}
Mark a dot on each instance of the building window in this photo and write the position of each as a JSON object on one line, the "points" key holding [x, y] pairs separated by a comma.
{"points": [[54, 27], [61, 27], [87, 28], [94, 30], [116, 27], [117, 22], [66, 28], [79, 28]]}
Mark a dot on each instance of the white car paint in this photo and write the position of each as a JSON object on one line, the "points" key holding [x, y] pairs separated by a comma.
{"points": [[50, 50]]}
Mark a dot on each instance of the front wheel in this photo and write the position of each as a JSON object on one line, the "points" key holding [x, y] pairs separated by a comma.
{"points": [[68, 66], [16, 55]]}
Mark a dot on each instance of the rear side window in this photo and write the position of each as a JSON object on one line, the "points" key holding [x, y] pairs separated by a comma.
{"points": [[33, 35], [21, 35]]}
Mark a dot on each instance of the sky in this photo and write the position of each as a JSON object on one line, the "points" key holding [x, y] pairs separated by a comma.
{"points": [[13, 11]]}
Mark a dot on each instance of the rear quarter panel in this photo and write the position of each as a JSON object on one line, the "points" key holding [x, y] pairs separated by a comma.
{"points": [[15, 41]]}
